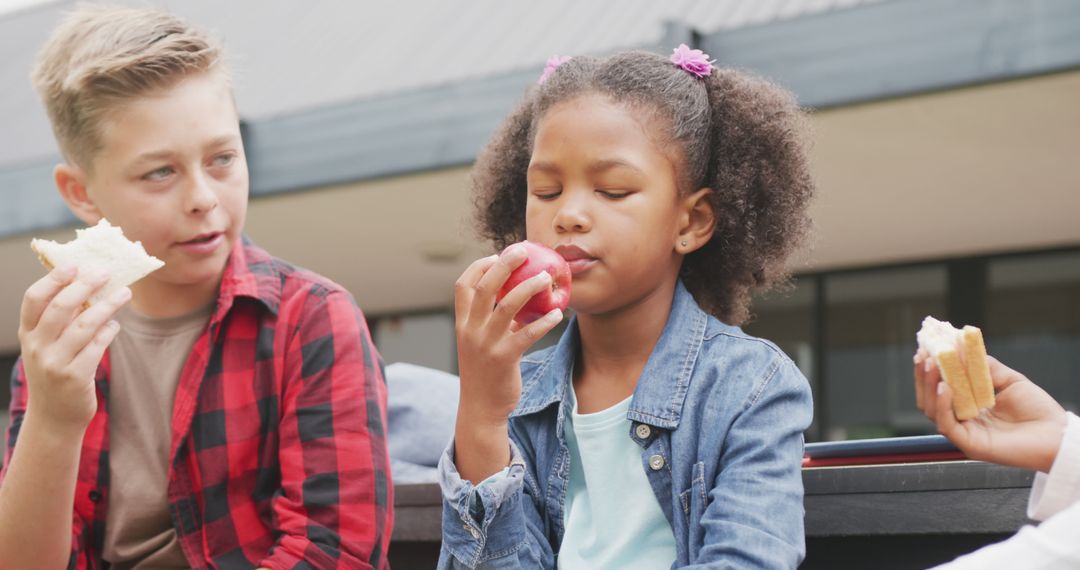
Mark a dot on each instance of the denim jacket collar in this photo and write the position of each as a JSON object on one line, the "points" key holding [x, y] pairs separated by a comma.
{"points": [[662, 387]]}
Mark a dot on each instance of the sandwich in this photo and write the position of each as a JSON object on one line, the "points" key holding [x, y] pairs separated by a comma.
{"points": [[100, 247], [960, 355]]}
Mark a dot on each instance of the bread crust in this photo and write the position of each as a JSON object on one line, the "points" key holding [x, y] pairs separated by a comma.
{"points": [[955, 375], [978, 369], [42, 257], [49, 266]]}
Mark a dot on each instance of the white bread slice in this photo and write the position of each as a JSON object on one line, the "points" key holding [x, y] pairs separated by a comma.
{"points": [[100, 247], [958, 354]]}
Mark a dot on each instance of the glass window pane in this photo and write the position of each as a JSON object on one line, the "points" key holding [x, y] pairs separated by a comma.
{"points": [[871, 320], [1033, 320]]}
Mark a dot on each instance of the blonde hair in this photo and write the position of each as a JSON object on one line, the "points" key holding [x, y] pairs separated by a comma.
{"points": [[101, 56]]}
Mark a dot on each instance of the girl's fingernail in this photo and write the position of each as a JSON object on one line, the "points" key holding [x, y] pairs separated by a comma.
{"points": [[556, 314], [516, 252], [941, 388]]}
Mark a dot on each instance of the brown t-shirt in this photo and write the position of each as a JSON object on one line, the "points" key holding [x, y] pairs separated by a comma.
{"points": [[146, 360]]}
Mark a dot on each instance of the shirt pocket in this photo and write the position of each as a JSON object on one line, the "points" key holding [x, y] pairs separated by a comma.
{"points": [[694, 501]]}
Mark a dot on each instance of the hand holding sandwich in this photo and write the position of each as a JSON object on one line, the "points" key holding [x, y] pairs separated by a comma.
{"points": [[65, 326], [1023, 429], [61, 347], [63, 344], [66, 322]]}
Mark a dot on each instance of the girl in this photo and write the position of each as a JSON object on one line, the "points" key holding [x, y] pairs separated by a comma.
{"points": [[653, 435]]}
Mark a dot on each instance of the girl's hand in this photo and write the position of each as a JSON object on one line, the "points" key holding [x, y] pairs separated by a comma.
{"points": [[490, 346], [1023, 429], [62, 345]]}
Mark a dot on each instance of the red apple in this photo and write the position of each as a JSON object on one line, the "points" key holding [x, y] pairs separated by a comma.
{"points": [[541, 258]]}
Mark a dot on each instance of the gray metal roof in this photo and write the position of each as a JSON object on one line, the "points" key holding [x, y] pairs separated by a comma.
{"points": [[292, 56], [428, 95]]}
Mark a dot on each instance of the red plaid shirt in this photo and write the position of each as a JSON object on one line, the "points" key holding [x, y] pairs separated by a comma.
{"points": [[279, 455]]}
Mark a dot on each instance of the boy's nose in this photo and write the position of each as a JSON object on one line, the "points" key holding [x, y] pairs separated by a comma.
{"points": [[201, 197]]}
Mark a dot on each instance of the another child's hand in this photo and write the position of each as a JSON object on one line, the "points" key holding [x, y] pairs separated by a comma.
{"points": [[1023, 429], [490, 344], [62, 345]]}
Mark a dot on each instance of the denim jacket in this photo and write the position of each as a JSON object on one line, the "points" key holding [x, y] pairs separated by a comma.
{"points": [[719, 416]]}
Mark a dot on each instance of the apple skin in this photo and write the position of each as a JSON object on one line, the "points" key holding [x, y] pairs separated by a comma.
{"points": [[541, 258]]}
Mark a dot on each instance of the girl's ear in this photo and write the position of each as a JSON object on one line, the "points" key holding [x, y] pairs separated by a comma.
{"points": [[697, 221], [71, 182]]}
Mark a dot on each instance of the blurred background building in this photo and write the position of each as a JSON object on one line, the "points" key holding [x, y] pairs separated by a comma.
{"points": [[946, 153]]}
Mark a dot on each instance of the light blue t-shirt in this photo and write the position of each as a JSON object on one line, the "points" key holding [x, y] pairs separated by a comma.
{"points": [[612, 517]]}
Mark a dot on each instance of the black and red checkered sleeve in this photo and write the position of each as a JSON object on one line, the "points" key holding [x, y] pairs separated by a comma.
{"points": [[335, 505], [17, 412]]}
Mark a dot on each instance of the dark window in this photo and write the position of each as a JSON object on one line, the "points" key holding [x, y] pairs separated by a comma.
{"points": [[1033, 320], [853, 332], [870, 322]]}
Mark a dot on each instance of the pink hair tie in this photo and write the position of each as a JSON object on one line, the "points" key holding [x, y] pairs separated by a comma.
{"points": [[693, 61], [553, 63]]}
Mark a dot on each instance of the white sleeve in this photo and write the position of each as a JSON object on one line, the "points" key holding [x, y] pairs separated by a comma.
{"points": [[1050, 546], [1055, 498], [1051, 493]]}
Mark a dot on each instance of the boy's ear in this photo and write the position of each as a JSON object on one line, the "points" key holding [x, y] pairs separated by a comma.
{"points": [[697, 221], [71, 183]]}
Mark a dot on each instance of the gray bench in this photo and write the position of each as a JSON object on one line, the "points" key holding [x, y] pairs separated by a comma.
{"points": [[871, 516]]}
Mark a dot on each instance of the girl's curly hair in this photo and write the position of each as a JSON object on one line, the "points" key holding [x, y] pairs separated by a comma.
{"points": [[739, 135]]}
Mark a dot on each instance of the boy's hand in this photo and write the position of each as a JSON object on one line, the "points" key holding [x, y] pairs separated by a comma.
{"points": [[490, 347], [1023, 429], [62, 345]]}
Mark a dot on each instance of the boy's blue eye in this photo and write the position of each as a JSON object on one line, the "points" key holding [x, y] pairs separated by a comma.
{"points": [[224, 159], [158, 174]]}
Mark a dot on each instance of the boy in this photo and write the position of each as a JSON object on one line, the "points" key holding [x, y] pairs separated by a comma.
{"points": [[275, 455]]}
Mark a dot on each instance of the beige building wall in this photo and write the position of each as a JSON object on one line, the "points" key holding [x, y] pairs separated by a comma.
{"points": [[983, 169]]}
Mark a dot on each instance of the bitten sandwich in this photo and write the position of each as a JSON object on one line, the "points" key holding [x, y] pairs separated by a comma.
{"points": [[961, 357], [100, 247]]}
